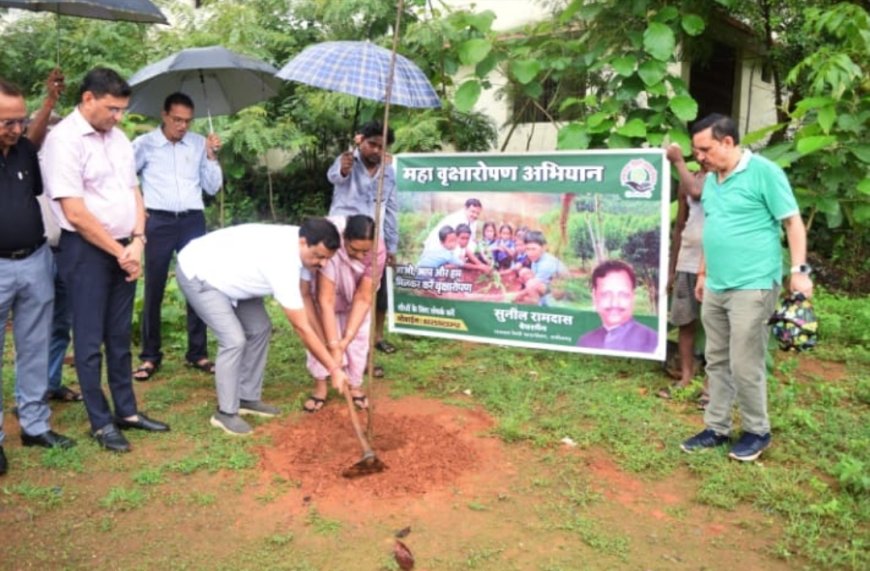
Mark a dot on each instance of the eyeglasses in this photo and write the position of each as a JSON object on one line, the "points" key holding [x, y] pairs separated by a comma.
{"points": [[180, 120], [10, 123]]}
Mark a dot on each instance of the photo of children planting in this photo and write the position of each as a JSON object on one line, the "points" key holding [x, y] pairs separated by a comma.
{"points": [[525, 248]]}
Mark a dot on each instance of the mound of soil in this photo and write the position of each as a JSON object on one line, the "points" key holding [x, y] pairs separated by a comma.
{"points": [[425, 445]]}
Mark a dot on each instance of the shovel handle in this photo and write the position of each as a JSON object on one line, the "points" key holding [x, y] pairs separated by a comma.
{"points": [[357, 427]]}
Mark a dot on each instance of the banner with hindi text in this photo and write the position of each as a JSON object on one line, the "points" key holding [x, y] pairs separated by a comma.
{"points": [[501, 248]]}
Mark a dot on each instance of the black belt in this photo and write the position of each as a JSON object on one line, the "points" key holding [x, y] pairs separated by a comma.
{"points": [[123, 241], [171, 214], [21, 253]]}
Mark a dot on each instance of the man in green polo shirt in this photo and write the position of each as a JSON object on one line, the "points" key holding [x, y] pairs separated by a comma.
{"points": [[747, 200]]}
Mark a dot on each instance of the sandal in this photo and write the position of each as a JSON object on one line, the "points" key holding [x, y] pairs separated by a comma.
{"points": [[145, 371], [317, 404], [360, 401], [203, 365], [64, 394], [378, 372], [703, 401], [667, 392], [385, 347]]}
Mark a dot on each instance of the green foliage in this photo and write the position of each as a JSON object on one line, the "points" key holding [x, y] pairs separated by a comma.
{"points": [[830, 122]]}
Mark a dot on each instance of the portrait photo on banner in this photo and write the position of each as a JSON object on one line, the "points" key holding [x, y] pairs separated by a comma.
{"points": [[562, 251]]}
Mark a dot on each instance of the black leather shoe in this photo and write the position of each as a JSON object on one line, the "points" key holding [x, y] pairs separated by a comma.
{"points": [[48, 439], [144, 423], [3, 464], [110, 438]]}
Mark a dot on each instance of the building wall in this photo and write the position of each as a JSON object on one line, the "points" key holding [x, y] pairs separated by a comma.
{"points": [[755, 100]]}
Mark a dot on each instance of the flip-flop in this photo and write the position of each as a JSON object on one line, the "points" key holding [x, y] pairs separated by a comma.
{"points": [[360, 401], [385, 347], [665, 394], [203, 365], [64, 394], [318, 404], [144, 372]]}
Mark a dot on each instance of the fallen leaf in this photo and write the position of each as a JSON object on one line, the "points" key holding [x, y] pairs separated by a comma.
{"points": [[404, 532], [403, 556]]}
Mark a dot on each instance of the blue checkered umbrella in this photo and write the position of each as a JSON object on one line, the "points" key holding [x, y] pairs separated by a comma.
{"points": [[361, 69]]}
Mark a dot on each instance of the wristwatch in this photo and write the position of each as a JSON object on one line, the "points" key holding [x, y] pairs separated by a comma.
{"points": [[805, 269], [145, 240]]}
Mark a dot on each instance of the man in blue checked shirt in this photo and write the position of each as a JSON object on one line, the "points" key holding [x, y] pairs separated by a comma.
{"points": [[175, 166], [354, 176]]}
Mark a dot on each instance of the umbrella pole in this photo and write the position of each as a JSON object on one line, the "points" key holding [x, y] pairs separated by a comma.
{"points": [[57, 37], [210, 131], [378, 201]]}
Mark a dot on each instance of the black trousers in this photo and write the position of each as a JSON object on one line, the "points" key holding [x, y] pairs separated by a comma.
{"points": [[167, 234], [101, 300]]}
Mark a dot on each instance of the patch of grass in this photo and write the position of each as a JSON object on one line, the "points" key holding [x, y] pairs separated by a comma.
{"points": [[164, 395], [150, 476], [216, 453], [592, 535], [42, 496], [474, 558], [123, 499], [202, 499], [279, 539], [277, 488], [67, 460], [320, 524]]}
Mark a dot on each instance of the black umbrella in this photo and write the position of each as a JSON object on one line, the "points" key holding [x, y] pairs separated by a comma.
{"points": [[143, 11], [219, 81]]}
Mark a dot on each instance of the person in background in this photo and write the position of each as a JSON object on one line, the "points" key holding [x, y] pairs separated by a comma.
{"points": [[88, 167], [354, 176], [61, 319], [26, 267], [175, 167], [684, 264]]}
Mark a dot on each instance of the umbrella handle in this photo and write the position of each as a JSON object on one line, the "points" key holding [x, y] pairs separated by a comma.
{"points": [[205, 98]]}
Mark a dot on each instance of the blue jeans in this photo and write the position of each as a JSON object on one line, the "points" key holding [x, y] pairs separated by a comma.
{"points": [[26, 292], [61, 323]]}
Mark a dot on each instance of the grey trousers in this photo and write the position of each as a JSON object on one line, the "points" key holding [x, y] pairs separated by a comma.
{"points": [[735, 323], [26, 293], [242, 331]]}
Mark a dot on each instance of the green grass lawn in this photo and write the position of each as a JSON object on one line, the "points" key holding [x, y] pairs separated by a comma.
{"points": [[811, 486]]}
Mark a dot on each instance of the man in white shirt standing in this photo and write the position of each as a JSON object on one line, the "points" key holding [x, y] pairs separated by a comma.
{"points": [[175, 166], [226, 274], [87, 167]]}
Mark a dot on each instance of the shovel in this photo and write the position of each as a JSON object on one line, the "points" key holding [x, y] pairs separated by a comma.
{"points": [[370, 463]]}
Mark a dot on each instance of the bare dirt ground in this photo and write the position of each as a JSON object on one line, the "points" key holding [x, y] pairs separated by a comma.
{"points": [[464, 499]]}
